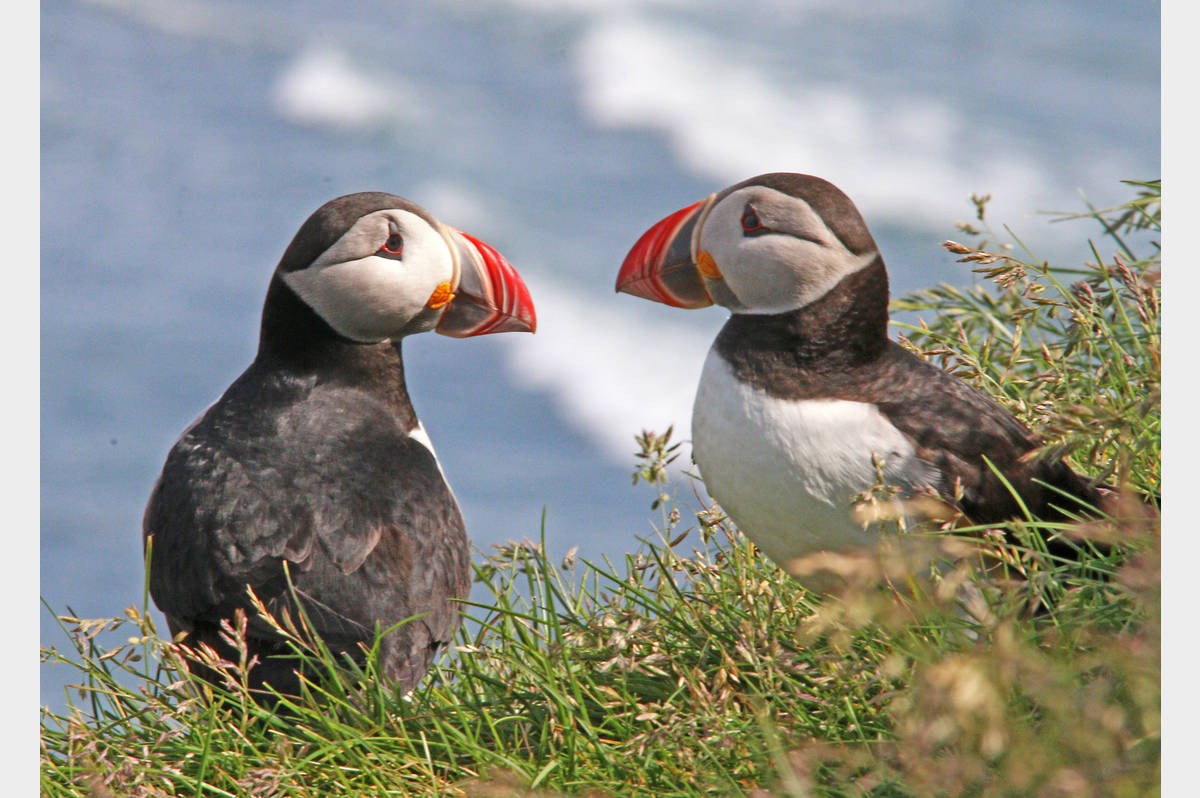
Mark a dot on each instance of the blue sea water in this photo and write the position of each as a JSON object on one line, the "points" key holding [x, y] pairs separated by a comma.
{"points": [[183, 142]]}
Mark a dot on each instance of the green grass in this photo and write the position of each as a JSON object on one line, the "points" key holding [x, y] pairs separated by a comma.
{"points": [[695, 666]]}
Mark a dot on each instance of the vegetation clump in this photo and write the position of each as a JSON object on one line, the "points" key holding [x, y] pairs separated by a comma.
{"points": [[695, 666]]}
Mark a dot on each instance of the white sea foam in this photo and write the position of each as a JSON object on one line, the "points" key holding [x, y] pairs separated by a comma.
{"points": [[911, 158], [322, 87], [614, 372], [729, 113]]}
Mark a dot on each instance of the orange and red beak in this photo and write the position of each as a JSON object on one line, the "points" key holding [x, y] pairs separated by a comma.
{"points": [[662, 264], [489, 297]]}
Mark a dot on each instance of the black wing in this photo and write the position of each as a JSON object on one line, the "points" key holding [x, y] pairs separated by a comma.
{"points": [[954, 427], [324, 479]]}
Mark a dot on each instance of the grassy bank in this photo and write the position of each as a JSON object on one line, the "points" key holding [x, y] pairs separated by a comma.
{"points": [[695, 666]]}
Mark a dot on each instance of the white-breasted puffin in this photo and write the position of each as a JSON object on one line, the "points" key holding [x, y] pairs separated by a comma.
{"points": [[803, 393], [314, 458]]}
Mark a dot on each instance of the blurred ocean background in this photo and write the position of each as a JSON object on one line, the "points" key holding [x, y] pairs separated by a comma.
{"points": [[184, 141]]}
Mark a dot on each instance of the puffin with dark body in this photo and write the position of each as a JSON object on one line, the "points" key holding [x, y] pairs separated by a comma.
{"points": [[803, 394], [314, 461]]}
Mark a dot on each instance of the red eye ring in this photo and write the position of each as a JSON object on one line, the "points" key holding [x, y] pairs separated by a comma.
{"points": [[750, 221], [394, 245]]}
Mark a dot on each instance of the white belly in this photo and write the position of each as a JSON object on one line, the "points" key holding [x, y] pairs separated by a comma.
{"points": [[785, 471]]}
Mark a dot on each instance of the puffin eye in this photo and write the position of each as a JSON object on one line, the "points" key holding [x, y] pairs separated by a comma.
{"points": [[750, 221], [394, 245]]}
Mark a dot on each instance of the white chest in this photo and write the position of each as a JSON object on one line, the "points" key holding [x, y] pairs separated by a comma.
{"points": [[785, 471]]}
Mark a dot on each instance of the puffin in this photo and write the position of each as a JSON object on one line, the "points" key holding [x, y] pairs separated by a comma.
{"points": [[311, 481], [804, 401]]}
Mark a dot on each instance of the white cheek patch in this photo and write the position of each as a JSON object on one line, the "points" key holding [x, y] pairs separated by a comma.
{"points": [[361, 299], [761, 273], [793, 274], [367, 297], [777, 272]]}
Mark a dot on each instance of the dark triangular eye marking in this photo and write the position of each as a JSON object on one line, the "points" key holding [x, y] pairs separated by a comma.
{"points": [[392, 248], [751, 224]]}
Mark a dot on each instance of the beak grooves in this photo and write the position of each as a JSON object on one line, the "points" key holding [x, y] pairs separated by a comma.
{"points": [[660, 267], [490, 296]]}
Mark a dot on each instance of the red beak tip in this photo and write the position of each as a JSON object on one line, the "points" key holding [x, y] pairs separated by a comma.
{"points": [[643, 270], [630, 287]]}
